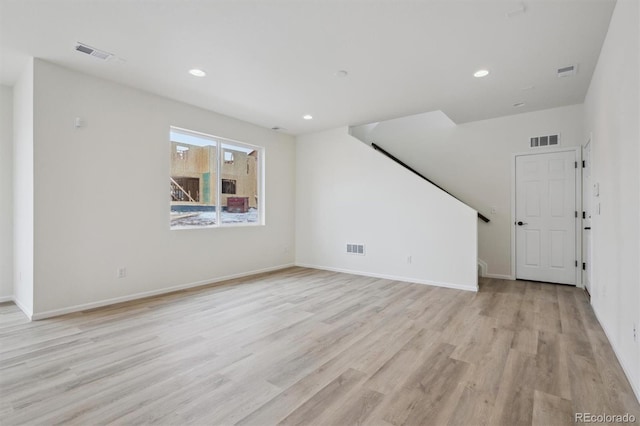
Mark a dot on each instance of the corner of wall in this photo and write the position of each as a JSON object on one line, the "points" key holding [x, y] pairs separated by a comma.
{"points": [[23, 189], [6, 189], [611, 117]]}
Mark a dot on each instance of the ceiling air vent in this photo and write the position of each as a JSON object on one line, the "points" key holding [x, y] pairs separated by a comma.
{"points": [[541, 141], [91, 51], [567, 71]]}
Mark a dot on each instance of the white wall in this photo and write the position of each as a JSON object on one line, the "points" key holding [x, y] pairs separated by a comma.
{"points": [[473, 161], [23, 190], [101, 196], [612, 117], [348, 193], [6, 193]]}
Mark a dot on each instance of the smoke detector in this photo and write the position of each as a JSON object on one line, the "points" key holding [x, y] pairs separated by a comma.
{"points": [[520, 10], [92, 51], [568, 71]]}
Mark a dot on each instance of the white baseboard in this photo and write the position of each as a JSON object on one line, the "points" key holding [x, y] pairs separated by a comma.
{"points": [[112, 301], [6, 299], [625, 368], [391, 277], [23, 308], [500, 276], [483, 267], [484, 272]]}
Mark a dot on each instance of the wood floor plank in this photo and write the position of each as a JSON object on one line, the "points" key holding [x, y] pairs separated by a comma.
{"points": [[357, 409], [588, 393], [473, 408], [551, 410], [552, 372], [396, 371], [304, 346], [485, 376], [525, 340], [325, 399], [514, 403]]}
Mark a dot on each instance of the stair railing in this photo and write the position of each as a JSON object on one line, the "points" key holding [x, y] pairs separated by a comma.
{"points": [[406, 166]]}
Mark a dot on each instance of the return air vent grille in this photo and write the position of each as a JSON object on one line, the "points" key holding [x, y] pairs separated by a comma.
{"points": [[355, 249], [91, 51], [567, 71], [542, 141]]}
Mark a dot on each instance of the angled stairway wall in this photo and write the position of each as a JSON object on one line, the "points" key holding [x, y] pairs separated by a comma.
{"points": [[347, 192], [474, 162]]}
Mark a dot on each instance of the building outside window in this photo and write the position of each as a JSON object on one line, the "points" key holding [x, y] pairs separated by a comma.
{"points": [[213, 181]]}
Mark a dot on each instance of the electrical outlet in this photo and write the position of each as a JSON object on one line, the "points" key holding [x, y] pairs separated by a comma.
{"points": [[409, 259], [635, 333], [494, 210], [121, 272], [286, 250]]}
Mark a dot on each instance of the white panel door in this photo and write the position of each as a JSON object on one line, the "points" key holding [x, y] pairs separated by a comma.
{"points": [[545, 217]]}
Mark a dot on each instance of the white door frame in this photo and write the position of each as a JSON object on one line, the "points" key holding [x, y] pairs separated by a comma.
{"points": [[588, 273], [577, 150]]}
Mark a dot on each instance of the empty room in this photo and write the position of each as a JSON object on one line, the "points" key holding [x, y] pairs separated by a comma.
{"points": [[302, 212]]}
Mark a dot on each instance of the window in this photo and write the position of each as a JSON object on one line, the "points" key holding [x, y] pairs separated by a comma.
{"points": [[228, 186], [213, 181], [181, 151]]}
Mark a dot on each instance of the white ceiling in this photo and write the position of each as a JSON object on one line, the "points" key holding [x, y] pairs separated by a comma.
{"points": [[270, 62]]}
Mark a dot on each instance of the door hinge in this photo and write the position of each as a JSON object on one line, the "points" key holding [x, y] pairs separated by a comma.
{"points": [[583, 166], [576, 263], [584, 266], [584, 215], [576, 164], [576, 213]]}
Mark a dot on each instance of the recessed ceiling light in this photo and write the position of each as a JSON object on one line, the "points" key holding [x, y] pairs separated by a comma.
{"points": [[341, 73], [518, 104], [481, 73], [197, 73], [307, 117]]}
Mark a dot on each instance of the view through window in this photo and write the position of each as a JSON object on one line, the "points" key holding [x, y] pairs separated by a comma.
{"points": [[213, 181]]}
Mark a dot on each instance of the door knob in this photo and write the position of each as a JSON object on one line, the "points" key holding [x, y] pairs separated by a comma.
{"points": [[520, 223]]}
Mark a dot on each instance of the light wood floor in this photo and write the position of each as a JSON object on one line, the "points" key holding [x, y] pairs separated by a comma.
{"points": [[302, 346]]}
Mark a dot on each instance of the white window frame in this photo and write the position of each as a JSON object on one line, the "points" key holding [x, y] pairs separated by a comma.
{"points": [[260, 176]]}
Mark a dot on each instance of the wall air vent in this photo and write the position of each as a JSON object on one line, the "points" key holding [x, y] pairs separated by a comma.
{"points": [[542, 141], [355, 249], [91, 51], [567, 71]]}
